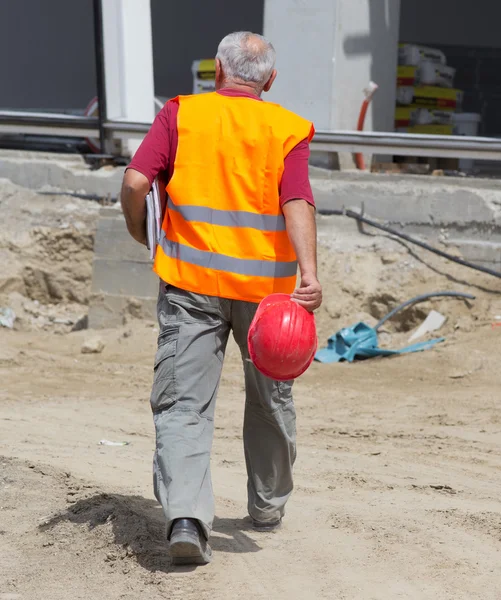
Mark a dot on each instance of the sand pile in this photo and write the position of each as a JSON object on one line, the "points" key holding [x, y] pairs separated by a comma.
{"points": [[46, 249], [365, 276]]}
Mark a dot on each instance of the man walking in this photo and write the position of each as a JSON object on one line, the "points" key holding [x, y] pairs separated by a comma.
{"points": [[240, 217]]}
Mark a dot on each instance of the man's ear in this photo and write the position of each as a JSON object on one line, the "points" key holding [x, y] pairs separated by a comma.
{"points": [[219, 74], [270, 81]]}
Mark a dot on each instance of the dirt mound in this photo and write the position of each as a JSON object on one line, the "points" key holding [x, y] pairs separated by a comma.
{"points": [[364, 277], [61, 269], [115, 538], [46, 249]]}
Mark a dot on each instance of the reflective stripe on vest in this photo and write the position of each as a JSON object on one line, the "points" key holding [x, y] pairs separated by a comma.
{"points": [[220, 262], [229, 218]]}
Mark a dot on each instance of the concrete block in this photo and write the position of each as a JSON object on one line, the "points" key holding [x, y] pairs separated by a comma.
{"points": [[479, 251], [115, 210], [444, 234], [326, 161], [108, 311], [413, 200], [124, 277], [113, 241], [123, 283], [38, 170], [461, 213]]}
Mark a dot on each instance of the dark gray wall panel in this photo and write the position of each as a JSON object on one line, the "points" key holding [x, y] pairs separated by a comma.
{"points": [[186, 30], [46, 54]]}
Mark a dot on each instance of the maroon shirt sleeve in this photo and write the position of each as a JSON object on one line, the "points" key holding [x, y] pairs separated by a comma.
{"points": [[157, 151], [295, 178]]}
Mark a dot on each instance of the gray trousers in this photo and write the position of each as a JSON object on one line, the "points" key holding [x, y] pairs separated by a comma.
{"points": [[194, 331]]}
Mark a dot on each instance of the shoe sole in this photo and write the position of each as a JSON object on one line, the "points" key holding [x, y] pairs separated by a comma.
{"points": [[185, 552], [266, 527]]}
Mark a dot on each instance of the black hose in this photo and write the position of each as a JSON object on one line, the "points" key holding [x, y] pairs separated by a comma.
{"points": [[96, 197], [422, 298], [362, 219]]}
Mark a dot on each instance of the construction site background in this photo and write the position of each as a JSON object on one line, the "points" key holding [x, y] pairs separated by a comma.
{"points": [[397, 487]]}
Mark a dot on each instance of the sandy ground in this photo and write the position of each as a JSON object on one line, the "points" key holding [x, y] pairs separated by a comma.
{"points": [[398, 475]]}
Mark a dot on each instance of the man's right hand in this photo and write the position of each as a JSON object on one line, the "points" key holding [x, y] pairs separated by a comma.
{"points": [[135, 187], [309, 293]]}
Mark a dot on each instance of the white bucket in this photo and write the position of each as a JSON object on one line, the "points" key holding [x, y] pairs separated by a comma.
{"points": [[466, 124], [412, 54], [431, 73]]}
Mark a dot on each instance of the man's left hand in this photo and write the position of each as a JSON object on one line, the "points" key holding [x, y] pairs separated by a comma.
{"points": [[309, 293]]}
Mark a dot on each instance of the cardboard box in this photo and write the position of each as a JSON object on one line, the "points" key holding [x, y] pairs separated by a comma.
{"points": [[427, 73], [413, 55], [406, 116], [430, 73], [204, 75], [428, 129], [430, 97], [407, 76]]}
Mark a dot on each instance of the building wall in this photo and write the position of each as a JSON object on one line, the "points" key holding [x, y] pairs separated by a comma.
{"points": [[338, 48], [367, 35], [304, 59], [188, 30], [451, 22], [328, 50], [47, 51], [50, 47]]}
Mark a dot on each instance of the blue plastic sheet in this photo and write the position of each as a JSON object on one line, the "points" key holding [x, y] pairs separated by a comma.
{"points": [[361, 341]]}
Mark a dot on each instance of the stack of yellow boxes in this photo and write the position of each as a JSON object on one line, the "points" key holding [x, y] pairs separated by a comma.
{"points": [[426, 97], [204, 75]]}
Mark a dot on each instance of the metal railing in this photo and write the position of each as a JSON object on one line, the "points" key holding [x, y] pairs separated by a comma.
{"points": [[408, 144], [39, 123], [43, 123]]}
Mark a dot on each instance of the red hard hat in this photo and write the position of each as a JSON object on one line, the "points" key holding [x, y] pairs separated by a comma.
{"points": [[282, 338]]}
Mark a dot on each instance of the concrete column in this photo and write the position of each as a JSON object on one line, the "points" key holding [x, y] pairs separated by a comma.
{"points": [[128, 58], [327, 53]]}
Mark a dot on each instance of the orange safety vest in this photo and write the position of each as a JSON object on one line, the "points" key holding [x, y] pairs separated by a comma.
{"points": [[224, 233]]}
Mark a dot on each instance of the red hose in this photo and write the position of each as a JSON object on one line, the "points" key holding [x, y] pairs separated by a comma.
{"points": [[359, 158], [369, 93]]}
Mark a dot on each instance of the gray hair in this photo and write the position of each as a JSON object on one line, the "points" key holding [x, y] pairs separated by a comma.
{"points": [[246, 56]]}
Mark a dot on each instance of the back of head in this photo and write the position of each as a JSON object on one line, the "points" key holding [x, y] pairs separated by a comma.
{"points": [[246, 57]]}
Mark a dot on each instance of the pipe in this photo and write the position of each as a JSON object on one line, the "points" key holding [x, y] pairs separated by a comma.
{"points": [[95, 197], [47, 119], [369, 92], [391, 231], [51, 124], [100, 73], [422, 298]]}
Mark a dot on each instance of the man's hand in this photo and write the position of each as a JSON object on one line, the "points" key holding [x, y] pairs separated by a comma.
{"points": [[309, 293], [135, 188], [302, 230]]}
